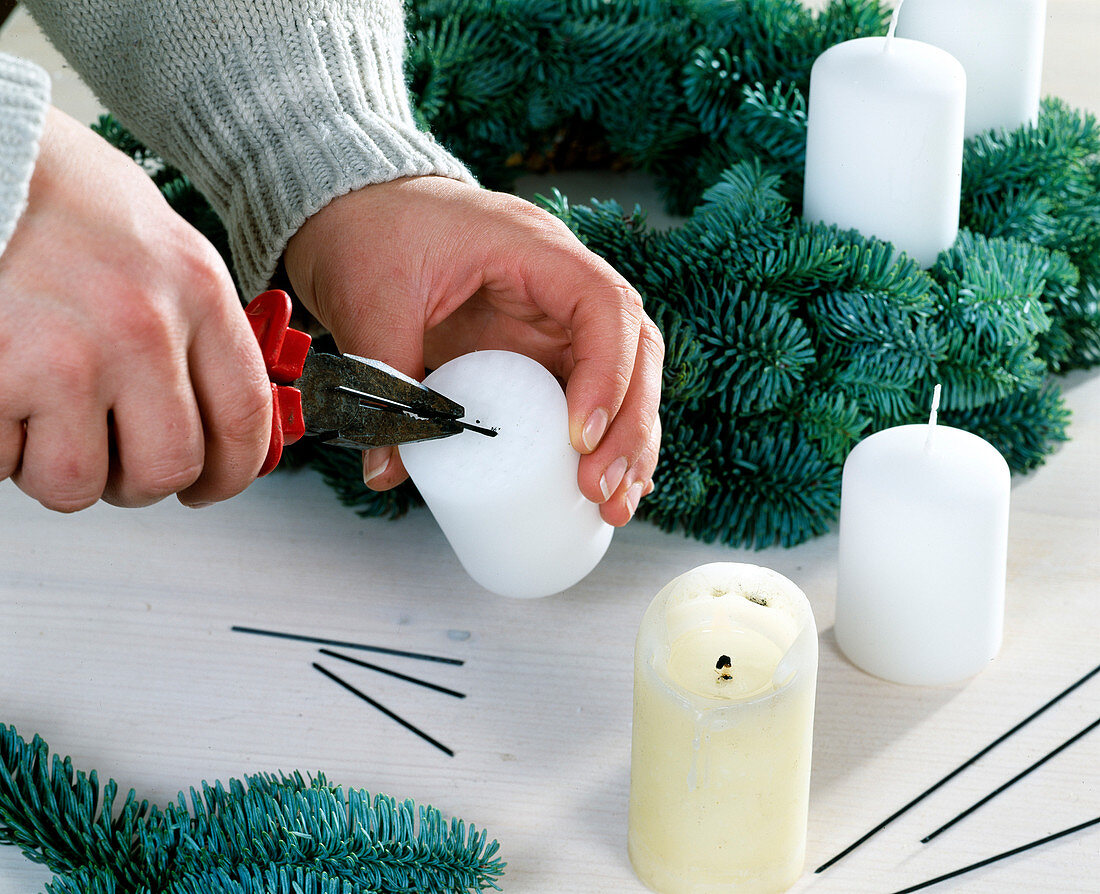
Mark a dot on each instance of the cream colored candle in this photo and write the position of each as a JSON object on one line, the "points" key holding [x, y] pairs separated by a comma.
{"points": [[725, 671]]}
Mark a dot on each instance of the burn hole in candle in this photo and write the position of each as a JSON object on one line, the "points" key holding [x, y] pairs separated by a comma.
{"points": [[722, 666], [751, 658]]}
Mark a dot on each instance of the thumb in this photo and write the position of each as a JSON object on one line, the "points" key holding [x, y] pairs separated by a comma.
{"points": [[393, 334]]}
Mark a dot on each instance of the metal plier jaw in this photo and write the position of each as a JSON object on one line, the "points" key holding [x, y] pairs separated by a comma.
{"points": [[346, 400]]}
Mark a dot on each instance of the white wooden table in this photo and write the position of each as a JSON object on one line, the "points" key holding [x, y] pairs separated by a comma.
{"points": [[115, 646]]}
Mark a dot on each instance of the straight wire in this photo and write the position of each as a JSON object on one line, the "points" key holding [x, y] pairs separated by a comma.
{"points": [[370, 701], [381, 403], [392, 673], [1005, 855], [851, 847], [488, 432], [345, 645], [993, 794]]}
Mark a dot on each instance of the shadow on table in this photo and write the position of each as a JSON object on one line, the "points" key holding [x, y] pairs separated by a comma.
{"points": [[858, 715]]}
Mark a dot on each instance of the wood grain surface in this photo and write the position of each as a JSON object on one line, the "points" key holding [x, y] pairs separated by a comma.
{"points": [[115, 645]]}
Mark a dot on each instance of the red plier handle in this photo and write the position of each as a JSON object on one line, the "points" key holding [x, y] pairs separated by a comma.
{"points": [[284, 351]]}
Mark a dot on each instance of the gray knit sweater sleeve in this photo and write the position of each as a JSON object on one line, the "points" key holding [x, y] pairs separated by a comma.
{"points": [[24, 96], [272, 107]]}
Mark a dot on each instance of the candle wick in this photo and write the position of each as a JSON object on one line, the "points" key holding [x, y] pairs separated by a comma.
{"points": [[893, 27], [933, 416], [722, 667]]}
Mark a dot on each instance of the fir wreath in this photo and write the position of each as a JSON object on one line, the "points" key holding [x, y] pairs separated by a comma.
{"points": [[787, 341], [265, 835]]}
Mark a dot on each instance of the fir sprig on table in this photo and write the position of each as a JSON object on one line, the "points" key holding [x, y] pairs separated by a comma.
{"points": [[786, 341], [266, 833]]}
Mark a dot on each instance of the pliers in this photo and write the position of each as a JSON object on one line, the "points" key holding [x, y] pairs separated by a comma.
{"points": [[345, 400]]}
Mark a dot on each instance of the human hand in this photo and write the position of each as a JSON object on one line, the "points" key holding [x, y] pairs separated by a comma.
{"points": [[421, 270], [129, 370]]}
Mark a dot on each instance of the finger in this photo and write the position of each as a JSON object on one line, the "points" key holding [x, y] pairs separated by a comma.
{"points": [[12, 434], [617, 473], [604, 316], [65, 457], [383, 468], [158, 440], [605, 335], [233, 395], [623, 503]]}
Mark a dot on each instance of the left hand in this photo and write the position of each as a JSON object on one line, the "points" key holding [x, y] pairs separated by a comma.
{"points": [[421, 270]]}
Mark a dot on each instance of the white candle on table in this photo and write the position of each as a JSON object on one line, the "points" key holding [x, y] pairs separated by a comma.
{"points": [[1000, 46], [923, 548], [509, 505], [884, 143], [720, 758]]}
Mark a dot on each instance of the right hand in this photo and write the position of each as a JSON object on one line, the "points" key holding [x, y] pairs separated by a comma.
{"points": [[128, 370]]}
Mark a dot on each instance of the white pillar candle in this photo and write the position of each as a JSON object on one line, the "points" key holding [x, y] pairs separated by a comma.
{"points": [[725, 671], [1000, 46], [509, 505], [923, 548], [884, 143]]}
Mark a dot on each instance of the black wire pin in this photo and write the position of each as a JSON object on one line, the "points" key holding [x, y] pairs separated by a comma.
{"points": [[370, 701], [392, 673], [345, 645], [993, 794], [1005, 855], [988, 748]]}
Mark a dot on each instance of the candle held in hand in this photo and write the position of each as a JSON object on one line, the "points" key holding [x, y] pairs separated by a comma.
{"points": [[1000, 46], [922, 554], [725, 671], [884, 143], [509, 505]]}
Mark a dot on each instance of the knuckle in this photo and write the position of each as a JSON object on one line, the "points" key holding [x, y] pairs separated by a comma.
{"points": [[69, 365], [653, 341], [68, 503], [67, 484], [517, 211], [246, 425], [206, 273], [170, 475], [252, 415], [622, 378], [146, 325]]}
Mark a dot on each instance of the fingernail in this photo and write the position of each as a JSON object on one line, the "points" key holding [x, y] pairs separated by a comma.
{"points": [[199, 505], [375, 462], [648, 489], [594, 429], [612, 477], [633, 495]]}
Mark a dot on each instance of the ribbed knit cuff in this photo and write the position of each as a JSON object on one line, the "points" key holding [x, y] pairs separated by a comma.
{"points": [[24, 98], [273, 132]]}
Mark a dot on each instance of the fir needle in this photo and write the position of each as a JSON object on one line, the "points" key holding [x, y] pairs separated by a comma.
{"points": [[993, 794], [1005, 855], [370, 701], [392, 673], [345, 645], [851, 847]]}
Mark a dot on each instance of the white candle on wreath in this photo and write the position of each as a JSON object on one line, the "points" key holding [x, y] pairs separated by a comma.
{"points": [[509, 505], [725, 671], [922, 553], [884, 143], [1000, 46]]}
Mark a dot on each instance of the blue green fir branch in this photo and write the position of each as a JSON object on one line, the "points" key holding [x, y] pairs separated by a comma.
{"points": [[265, 834], [787, 341]]}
